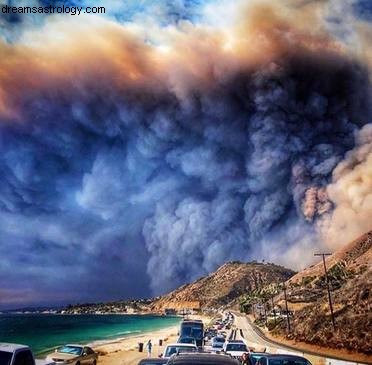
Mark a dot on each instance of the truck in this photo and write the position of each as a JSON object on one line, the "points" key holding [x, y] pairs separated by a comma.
{"points": [[13, 354], [193, 328]]}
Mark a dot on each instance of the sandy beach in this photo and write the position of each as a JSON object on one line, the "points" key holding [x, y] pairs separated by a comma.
{"points": [[125, 351]]}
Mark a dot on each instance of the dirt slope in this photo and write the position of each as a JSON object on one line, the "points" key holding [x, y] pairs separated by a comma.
{"points": [[350, 273]]}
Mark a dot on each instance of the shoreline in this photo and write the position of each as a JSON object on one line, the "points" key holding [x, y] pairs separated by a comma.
{"points": [[125, 351], [119, 338]]}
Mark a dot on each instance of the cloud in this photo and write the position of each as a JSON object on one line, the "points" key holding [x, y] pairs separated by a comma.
{"points": [[160, 151]]}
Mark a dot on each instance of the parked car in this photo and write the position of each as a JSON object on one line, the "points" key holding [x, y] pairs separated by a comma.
{"points": [[153, 361], [74, 355], [13, 354], [186, 339], [174, 348], [271, 359], [235, 348], [201, 358]]}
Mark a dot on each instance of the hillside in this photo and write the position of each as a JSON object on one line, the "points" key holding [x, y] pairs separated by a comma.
{"points": [[350, 273], [224, 286]]}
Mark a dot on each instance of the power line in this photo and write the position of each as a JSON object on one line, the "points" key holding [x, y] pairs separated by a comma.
{"points": [[328, 289]]}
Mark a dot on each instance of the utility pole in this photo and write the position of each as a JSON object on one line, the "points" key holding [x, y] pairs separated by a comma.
{"points": [[273, 308], [265, 313], [328, 289], [286, 308]]}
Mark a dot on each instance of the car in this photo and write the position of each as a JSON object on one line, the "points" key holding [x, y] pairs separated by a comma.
{"points": [[186, 339], [271, 359], [13, 354], [210, 333], [74, 355], [235, 348], [153, 361], [174, 348], [201, 358], [217, 343], [255, 356]]}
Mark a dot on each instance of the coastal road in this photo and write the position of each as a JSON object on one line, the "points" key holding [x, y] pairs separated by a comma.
{"points": [[256, 340]]}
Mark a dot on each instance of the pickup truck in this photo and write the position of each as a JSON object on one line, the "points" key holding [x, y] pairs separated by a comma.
{"points": [[12, 354]]}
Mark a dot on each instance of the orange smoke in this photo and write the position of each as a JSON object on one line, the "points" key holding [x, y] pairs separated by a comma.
{"points": [[68, 55]]}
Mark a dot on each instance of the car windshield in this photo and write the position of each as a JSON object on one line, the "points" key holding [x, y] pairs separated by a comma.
{"points": [[219, 339], [174, 349], [288, 362], [195, 332], [73, 350], [236, 347], [255, 358], [187, 340], [5, 357]]}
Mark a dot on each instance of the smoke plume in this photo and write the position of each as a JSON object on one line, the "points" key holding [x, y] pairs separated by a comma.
{"points": [[163, 151]]}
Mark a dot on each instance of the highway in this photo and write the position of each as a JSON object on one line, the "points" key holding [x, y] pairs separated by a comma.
{"points": [[255, 340]]}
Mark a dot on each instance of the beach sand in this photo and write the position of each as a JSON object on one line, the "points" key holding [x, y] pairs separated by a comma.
{"points": [[125, 351]]}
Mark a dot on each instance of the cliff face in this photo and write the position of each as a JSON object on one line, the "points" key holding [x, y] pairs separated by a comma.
{"points": [[350, 274], [224, 286]]}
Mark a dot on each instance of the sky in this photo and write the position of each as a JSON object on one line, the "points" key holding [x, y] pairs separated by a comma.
{"points": [[143, 148]]}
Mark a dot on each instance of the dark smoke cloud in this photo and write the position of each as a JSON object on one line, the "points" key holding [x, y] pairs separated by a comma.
{"points": [[102, 182], [267, 138]]}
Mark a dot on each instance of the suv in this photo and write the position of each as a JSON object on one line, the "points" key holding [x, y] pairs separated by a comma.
{"points": [[13, 354], [201, 358]]}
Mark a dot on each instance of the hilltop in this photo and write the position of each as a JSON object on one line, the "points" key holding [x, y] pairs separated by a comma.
{"points": [[224, 286]]}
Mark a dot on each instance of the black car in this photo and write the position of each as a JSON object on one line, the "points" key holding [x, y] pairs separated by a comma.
{"points": [[270, 359], [153, 361], [255, 356], [201, 359]]}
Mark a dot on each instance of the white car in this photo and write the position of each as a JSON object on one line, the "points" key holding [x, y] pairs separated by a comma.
{"points": [[175, 348], [13, 354], [235, 348], [74, 355]]}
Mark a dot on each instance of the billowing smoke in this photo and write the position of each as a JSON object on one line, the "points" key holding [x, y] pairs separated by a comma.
{"points": [[170, 151], [351, 192]]}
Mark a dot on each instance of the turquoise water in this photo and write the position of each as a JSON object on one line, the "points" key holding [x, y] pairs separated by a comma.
{"points": [[43, 332]]}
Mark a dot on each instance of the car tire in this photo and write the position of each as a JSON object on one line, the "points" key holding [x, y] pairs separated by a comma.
{"points": [[78, 363], [94, 362]]}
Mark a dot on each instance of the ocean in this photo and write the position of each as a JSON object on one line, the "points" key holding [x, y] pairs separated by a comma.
{"points": [[44, 332]]}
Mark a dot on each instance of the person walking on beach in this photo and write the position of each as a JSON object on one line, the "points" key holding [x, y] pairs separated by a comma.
{"points": [[149, 348]]}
